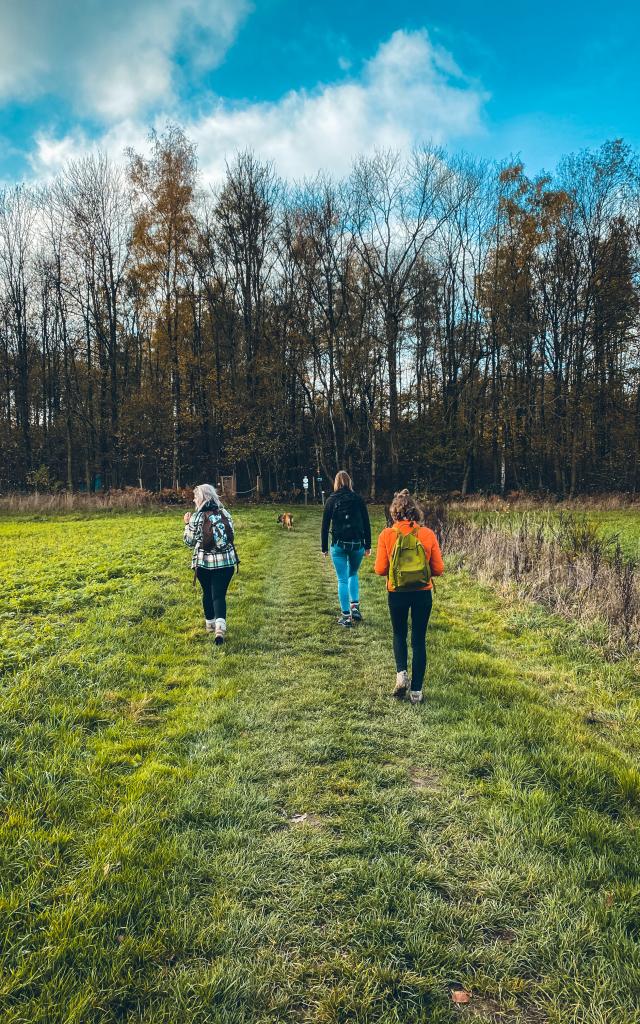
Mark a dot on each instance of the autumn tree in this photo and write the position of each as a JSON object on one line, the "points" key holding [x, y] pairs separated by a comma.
{"points": [[164, 186]]}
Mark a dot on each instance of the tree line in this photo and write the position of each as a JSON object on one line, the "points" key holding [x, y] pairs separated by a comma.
{"points": [[431, 319]]}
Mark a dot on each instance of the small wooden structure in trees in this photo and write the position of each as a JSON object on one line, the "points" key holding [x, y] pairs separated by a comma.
{"points": [[228, 487]]}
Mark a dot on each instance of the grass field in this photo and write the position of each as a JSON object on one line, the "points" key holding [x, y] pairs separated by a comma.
{"points": [[622, 524], [260, 834]]}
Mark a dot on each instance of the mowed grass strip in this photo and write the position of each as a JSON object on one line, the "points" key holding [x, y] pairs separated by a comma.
{"points": [[261, 834]]}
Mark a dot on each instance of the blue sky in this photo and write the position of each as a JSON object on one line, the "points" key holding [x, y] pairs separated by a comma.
{"points": [[308, 85]]}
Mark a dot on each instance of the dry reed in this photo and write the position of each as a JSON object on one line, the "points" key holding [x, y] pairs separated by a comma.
{"points": [[126, 499], [563, 564]]}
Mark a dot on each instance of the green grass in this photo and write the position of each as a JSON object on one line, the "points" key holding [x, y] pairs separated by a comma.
{"points": [[622, 524], [153, 865]]}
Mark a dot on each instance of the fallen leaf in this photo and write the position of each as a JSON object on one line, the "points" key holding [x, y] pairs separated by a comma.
{"points": [[297, 819], [460, 995]]}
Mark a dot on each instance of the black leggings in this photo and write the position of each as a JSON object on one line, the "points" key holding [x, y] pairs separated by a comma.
{"points": [[419, 601], [214, 583]]}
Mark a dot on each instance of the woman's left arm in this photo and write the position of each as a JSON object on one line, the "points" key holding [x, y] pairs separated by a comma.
{"points": [[435, 558]]}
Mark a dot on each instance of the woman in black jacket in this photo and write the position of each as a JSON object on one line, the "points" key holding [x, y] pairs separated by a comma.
{"points": [[347, 514]]}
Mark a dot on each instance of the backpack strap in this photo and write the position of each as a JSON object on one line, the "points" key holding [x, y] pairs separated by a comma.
{"points": [[230, 535]]}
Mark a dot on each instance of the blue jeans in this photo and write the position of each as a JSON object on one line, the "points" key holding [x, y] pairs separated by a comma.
{"points": [[346, 563]]}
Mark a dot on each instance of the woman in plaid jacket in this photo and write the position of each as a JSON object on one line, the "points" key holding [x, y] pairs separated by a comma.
{"points": [[215, 568]]}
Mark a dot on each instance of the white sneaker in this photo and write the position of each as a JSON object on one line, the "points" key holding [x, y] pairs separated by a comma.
{"points": [[210, 625], [415, 696], [402, 685], [221, 630]]}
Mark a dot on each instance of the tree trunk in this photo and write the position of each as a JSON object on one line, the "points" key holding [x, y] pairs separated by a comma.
{"points": [[392, 330]]}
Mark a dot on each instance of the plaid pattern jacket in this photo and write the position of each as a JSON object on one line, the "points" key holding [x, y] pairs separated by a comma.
{"points": [[218, 558]]}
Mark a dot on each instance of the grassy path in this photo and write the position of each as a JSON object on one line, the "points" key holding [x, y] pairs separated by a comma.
{"points": [[260, 834]]}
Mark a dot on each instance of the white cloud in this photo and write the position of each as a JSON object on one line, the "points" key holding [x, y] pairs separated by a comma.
{"points": [[51, 154], [410, 91], [111, 60]]}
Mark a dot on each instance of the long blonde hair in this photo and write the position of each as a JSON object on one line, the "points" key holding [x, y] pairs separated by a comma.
{"points": [[342, 480]]}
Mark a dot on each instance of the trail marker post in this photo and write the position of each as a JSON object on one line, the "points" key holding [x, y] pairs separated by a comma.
{"points": [[305, 485], [320, 489]]}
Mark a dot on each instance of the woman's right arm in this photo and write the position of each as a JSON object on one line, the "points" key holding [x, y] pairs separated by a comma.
{"points": [[190, 536], [381, 566], [326, 522]]}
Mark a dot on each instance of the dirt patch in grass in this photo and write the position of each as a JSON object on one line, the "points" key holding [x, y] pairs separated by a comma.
{"points": [[505, 935], [483, 1007], [487, 1009], [425, 780], [310, 820]]}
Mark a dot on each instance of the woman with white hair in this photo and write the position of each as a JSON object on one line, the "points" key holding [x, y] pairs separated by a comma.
{"points": [[209, 531]]}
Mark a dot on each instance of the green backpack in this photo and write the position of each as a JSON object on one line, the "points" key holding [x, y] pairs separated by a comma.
{"points": [[409, 568]]}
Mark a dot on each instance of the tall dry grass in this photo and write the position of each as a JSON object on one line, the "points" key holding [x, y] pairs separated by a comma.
{"points": [[523, 501], [126, 499], [564, 564]]}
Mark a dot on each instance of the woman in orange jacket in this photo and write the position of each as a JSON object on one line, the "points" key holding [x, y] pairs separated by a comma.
{"points": [[406, 517]]}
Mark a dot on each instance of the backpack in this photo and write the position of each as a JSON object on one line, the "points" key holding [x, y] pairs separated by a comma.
{"points": [[409, 567], [346, 520], [218, 537]]}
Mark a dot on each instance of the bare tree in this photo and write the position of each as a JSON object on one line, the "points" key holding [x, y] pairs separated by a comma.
{"points": [[17, 235], [396, 208]]}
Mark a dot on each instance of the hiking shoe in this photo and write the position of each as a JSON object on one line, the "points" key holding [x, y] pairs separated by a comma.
{"points": [[402, 685], [345, 620], [415, 696], [221, 631], [356, 614]]}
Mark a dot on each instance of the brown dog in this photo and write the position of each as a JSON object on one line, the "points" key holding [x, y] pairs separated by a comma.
{"points": [[286, 518]]}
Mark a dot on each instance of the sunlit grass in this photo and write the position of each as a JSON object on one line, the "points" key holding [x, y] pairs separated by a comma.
{"points": [[622, 524], [156, 862]]}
